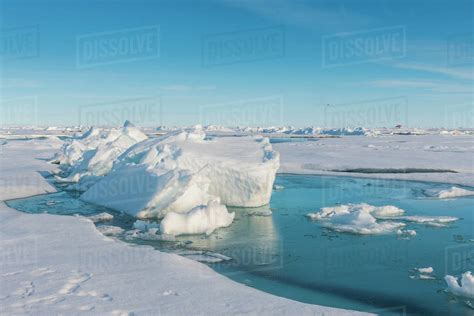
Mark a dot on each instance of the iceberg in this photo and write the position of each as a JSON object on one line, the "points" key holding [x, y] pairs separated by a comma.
{"points": [[181, 170], [183, 177]]}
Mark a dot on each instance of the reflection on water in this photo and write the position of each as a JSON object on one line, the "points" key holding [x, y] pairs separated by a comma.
{"points": [[288, 255]]}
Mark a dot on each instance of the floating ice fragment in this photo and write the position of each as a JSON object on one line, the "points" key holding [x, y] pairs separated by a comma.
{"points": [[108, 230], [101, 217], [201, 219], [406, 232], [358, 218], [454, 192], [426, 270], [465, 289], [144, 226], [437, 221], [204, 256]]}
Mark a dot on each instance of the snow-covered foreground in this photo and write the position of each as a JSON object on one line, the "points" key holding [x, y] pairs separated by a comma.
{"points": [[62, 265]]}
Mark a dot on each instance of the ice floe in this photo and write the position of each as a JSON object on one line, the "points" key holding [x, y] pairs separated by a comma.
{"points": [[465, 288], [454, 192], [427, 270], [358, 218], [368, 219]]}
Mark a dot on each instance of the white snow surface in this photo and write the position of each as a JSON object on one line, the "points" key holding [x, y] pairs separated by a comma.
{"points": [[465, 288], [183, 170], [62, 265], [333, 156]]}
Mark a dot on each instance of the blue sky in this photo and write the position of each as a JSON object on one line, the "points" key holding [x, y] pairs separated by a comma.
{"points": [[431, 85]]}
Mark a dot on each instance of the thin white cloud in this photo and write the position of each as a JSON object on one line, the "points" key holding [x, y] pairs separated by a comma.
{"points": [[462, 73], [187, 88], [18, 83], [300, 14], [425, 85]]}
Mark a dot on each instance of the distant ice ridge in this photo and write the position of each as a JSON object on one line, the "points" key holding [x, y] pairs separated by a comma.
{"points": [[188, 180], [315, 131], [92, 154], [367, 219], [465, 289], [290, 130]]}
